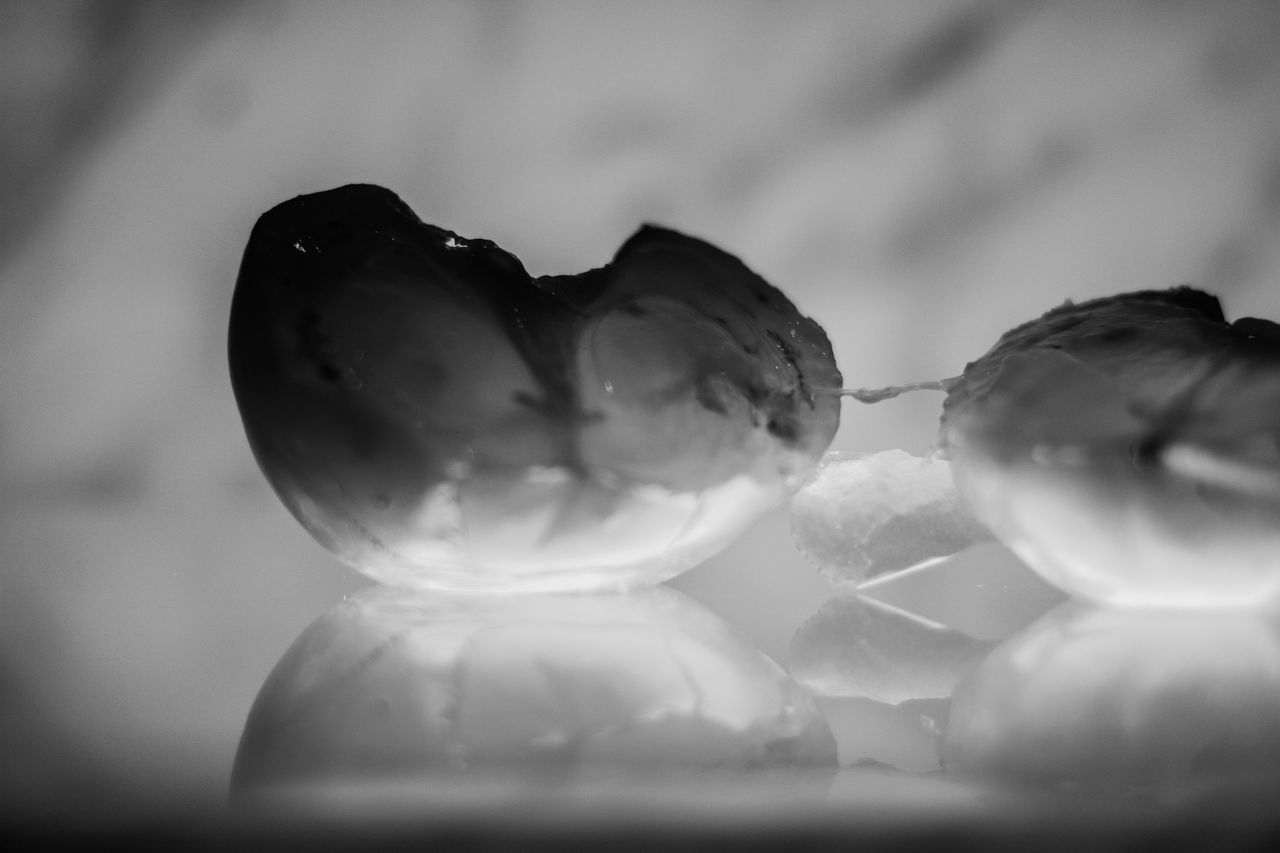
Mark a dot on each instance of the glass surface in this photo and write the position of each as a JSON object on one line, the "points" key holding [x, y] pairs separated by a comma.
{"points": [[917, 176]]}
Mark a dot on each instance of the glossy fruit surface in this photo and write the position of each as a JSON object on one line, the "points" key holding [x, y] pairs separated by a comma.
{"points": [[435, 416], [1128, 449]]}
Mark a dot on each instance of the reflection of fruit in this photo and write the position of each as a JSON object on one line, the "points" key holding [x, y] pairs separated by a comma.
{"points": [[402, 686], [1129, 449], [1116, 699], [434, 415], [859, 647]]}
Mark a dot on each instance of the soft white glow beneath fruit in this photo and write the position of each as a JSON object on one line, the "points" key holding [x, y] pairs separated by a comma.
{"points": [[535, 532]]}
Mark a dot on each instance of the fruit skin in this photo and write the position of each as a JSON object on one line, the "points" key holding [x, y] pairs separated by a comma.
{"points": [[1127, 449], [393, 376], [1142, 343]]}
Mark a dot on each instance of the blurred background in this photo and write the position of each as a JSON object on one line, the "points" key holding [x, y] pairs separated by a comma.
{"points": [[918, 176]]}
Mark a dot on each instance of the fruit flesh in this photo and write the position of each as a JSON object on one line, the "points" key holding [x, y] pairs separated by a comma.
{"points": [[864, 515]]}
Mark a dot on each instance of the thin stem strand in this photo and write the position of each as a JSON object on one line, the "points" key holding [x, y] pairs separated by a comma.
{"points": [[876, 395]]}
